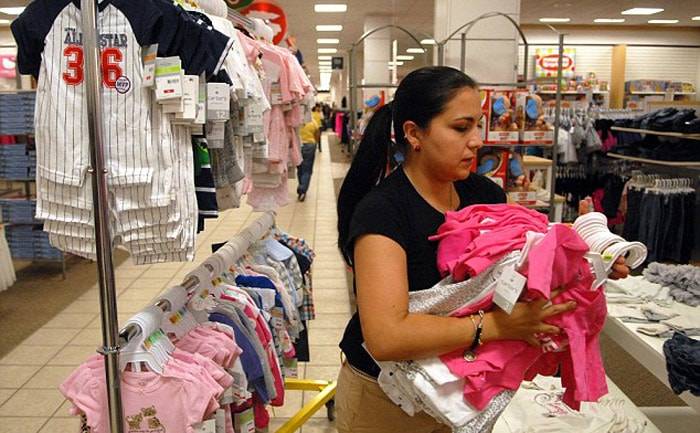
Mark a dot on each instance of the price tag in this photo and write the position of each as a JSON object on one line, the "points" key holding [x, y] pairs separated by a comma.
{"points": [[290, 367], [208, 426], [168, 78], [215, 132], [218, 101], [220, 418], [276, 94], [598, 267], [508, 289], [244, 422], [277, 318], [149, 54]]}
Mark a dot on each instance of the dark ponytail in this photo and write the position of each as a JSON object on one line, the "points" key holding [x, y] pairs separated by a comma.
{"points": [[421, 96]]}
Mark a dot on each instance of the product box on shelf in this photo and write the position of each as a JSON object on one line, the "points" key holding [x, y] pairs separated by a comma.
{"points": [[533, 127], [522, 197], [501, 125], [492, 162]]}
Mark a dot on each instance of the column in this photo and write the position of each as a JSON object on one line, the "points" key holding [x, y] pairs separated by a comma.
{"points": [[376, 55], [492, 44]]}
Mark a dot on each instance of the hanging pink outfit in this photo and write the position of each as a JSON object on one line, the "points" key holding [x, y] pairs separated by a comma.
{"points": [[555, 262]]}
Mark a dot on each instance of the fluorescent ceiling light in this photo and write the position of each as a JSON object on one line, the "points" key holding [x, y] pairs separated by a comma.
{"points": [[642, 11], [13, 10], [333, 7], [327, 41], [325, 57], [329, 28], [395, 63], [4, 21], [428, 42], [327, 50], [325, 63], [609, 20], [405, 57], [662, 21], [416, 50], [696, 18], [555, 20]]}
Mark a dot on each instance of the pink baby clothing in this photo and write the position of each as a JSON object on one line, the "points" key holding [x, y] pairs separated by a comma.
{"points": [[555, 262], [474, 238]]}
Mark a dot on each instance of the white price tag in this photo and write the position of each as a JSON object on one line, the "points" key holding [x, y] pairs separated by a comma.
{"points": [[169, 77], [218, 101], [598, 268], [208, 426], [216, 132], [508, 289], [149, 55], [220, 418]]}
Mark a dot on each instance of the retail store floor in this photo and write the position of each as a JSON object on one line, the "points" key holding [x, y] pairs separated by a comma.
{"points": [[62, 327]]}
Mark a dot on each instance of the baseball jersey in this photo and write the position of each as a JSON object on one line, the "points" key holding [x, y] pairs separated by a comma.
{"points": [[50, 47]]}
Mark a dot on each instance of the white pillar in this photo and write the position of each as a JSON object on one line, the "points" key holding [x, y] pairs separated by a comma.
{"points": [[492, 45], [376, 55]]}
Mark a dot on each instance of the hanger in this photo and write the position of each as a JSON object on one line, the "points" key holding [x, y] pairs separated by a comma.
{"points": [[150, 345]]}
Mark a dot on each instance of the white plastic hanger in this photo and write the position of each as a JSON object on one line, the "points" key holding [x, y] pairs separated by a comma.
{"points": [[143, 348]]}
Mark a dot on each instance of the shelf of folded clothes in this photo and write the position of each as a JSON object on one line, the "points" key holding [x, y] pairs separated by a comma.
{"points": [[533, 144], [687, 164], [661, 133]]}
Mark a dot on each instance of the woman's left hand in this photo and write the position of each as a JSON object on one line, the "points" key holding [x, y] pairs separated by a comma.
{"points": [[619, 269]]}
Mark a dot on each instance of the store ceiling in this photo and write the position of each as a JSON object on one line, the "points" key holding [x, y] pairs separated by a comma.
{"points": [[417, 16]]}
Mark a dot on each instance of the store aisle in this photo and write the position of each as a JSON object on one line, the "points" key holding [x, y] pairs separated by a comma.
{"points": [[29, 375]]}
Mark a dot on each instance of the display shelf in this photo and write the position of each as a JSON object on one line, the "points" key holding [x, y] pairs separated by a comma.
{"points": [[660, 133], [660, 93], [570, 92], [519, 145], [685, 164]]}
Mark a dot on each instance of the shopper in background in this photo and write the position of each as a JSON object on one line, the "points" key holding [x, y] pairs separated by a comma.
{"points": [[310, 138], [384, 222]]}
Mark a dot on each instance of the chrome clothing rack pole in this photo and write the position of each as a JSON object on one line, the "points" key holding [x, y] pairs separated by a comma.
{"points": [[103, 239]]}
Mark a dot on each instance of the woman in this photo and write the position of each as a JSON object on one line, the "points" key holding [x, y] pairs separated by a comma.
{"points": [[383, 234]]}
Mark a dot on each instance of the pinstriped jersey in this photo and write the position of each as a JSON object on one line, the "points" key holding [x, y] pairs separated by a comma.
{"points": [[50, 47]]}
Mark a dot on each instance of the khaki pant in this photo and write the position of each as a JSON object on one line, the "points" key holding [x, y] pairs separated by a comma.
{"points": [[362, 407]]}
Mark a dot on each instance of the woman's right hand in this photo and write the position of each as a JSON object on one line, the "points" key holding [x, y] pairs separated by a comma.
{"points": [[525, 321]]}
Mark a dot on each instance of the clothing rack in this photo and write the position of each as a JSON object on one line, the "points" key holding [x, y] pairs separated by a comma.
{"points": [[237, 18]]}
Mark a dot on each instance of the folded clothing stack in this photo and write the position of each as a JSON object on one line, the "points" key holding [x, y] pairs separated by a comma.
{"points": [[18, 211], [17, 161], [683, 281], [29, 242], [683, 364], [17, 113]]}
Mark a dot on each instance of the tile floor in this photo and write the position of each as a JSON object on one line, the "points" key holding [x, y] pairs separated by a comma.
{"points": [[29, 375]]}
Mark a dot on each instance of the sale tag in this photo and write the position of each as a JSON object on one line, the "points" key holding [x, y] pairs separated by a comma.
{"points": [[508, 289]]}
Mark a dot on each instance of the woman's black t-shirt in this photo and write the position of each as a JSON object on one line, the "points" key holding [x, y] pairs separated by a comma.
{"points": [[396, 210]]}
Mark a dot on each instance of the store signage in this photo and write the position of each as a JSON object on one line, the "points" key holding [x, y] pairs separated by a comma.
{"points": [[271, 13], [547, 59], [337, 63]]}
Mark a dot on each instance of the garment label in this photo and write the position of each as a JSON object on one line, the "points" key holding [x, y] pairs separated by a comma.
{"points": [[174, 106], [290, 367], [218, 101], [244, 422], [508, 289], [190, 97], [149, 54], [168, 78], [215, 132], [227, 397], [201, 116], [276, 94], [208, 426], [277, 320], [220, 418], [598, 267]]}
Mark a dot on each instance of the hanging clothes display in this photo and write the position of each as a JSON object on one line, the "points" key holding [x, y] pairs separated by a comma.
{"points": [[220, 352], [261, 96]]}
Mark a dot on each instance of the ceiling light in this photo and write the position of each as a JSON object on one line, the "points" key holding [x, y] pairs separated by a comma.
{"points": [[395, 63], [662, 21], [327, 50], [325, 57], [13, 10], [642, 11], [4, 21], [415, 50], [327, 41], [333, 7], [405, 57], [555, 20], [325, 63], [609, 20], [696, 18], [329, 28], [329, 70], [428, 42]]}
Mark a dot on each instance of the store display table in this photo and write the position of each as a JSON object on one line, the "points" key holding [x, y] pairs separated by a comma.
{"points": [[648, 351], [631, 411]]}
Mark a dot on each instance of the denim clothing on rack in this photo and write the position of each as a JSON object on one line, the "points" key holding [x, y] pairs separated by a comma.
{"points": [[683, 363]]}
